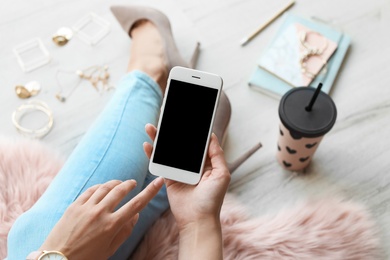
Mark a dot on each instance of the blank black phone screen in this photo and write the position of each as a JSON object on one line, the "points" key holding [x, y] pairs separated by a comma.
{"points": [[185, 125]]}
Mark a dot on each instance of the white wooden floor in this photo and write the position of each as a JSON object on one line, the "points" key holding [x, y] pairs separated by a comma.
{"points": [[353, 160]]}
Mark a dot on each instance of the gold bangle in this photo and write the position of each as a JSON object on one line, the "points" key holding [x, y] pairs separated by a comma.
{"points": [[28, 107]]}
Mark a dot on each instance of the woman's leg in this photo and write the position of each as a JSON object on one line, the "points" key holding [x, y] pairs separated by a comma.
{"points": [[112, 149]]}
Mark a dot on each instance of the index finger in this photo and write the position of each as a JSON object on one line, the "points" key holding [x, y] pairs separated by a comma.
{"points": [[151, 130], [139, 202]]}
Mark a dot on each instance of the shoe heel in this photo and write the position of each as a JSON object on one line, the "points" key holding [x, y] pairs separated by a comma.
{"points": [[235, 164], [195, 56]]}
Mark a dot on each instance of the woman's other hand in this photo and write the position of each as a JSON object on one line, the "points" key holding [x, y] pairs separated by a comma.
{"points": [[91, 228]]}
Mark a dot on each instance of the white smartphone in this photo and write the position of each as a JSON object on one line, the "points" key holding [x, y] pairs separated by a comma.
{"points": [[185, 125]]}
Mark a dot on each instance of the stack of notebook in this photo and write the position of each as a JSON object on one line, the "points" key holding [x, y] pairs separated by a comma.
{"points": [[285, 62]]}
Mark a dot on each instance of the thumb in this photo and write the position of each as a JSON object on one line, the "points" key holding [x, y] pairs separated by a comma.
{"points": [[216, 154]]}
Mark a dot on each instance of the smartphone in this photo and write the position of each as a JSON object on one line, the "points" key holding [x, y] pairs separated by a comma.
{"points": [[185, 125]]}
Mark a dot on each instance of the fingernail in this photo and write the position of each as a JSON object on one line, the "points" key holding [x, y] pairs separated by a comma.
{"points": [[135, 182], [158, 182], [135, 219]]}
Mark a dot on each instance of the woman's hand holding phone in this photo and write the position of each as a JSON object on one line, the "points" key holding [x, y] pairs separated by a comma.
{"points": [[189, 203], [196, 208]]}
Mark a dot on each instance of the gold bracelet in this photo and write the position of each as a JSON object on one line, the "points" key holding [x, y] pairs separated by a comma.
{"points": [[308, 73], [311, 51], [29, 107]]}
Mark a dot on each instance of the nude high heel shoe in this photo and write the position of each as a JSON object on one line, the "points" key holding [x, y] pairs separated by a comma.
{"points": [[127, 17], [222, 119]]}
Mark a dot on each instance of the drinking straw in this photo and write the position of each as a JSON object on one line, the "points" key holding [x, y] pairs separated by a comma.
{"points": [[314, 97]]}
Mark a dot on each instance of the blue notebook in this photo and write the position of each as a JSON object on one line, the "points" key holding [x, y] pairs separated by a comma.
{"points": [[267, 82]]}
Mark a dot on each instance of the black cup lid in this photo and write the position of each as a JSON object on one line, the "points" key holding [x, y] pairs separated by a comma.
{"points": [[295, 117]]}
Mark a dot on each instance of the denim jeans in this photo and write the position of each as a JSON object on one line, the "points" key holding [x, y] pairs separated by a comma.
{"points": [[111, 149]]}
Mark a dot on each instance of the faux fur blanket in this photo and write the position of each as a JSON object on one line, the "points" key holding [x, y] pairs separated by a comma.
{"points": [[323, 229], [26, 169]]}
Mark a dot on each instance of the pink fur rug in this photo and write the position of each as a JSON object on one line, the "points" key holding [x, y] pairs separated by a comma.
{"points": [[322, 229], [26, 169]]}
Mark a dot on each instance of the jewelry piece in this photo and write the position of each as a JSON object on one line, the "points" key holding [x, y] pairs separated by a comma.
{"points": [[309, 74], [22, 92], [311, 51], [94, 74], [63, 36], [62, 97], [314, 50], [27, 108], [60, 40], [31, 88], [102, 28], [31, 62]]}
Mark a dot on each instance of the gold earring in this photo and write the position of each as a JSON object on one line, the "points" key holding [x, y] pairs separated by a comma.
{"points": [[22, 92], [30, 89]]}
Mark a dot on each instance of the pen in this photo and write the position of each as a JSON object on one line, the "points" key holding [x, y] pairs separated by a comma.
{"points": [[250, 37]]}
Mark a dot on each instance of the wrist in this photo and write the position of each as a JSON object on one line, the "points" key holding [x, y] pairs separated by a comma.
{"points": [[46, 255], [51, 247], [206, 223], [201, 240]]}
